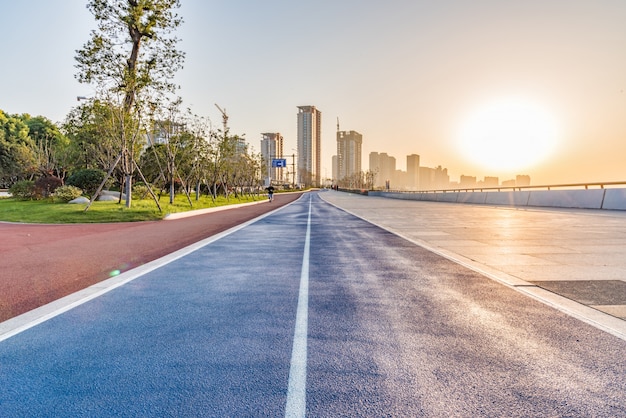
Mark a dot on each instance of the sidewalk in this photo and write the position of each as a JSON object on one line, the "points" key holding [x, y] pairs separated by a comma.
{"points": [[573, 260]]}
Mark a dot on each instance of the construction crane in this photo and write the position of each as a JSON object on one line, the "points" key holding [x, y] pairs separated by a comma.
{"points": [[224, 116]]}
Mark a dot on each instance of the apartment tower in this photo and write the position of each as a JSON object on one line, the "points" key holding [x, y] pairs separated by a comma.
{"points": [[271, 148], [309, 146], [384, 168], [348, 154], [413, 171]]}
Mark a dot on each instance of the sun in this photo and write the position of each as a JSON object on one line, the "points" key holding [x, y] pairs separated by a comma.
{"points": [[508, 134]]}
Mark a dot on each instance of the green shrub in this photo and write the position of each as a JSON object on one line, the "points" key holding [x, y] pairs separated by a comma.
{"points": [[140, 191], [23, 190], [88, 180], [67, 193], [45, 186]]}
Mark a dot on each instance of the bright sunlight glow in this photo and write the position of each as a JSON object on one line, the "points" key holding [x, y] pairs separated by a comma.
{"points": [[508, 134]]}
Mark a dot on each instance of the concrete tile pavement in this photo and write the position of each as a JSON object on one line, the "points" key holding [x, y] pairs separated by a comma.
{"points": [[574, 260]]}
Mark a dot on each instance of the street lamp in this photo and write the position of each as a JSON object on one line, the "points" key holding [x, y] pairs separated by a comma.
{"points": [[293, 168]]}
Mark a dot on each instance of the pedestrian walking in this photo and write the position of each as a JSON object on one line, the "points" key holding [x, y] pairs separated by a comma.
{"points": [[270, 192]]}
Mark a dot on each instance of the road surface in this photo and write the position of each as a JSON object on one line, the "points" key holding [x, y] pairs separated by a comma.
{"points": [[311, 310]]}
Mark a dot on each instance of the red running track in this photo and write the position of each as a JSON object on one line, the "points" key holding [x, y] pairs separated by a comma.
{"points": [[42, 263]]}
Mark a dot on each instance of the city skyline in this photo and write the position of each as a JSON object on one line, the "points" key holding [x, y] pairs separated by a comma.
{"points": [[447, 78]]}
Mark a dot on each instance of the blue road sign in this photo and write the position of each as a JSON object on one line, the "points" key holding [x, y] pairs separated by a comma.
{"points": [[279, 162]]}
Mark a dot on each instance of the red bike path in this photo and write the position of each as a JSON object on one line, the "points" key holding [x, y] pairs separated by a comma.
{"points": [[42, 263]]}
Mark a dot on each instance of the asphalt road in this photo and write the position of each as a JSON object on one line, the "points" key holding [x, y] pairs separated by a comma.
{"points": [[311, 309]]}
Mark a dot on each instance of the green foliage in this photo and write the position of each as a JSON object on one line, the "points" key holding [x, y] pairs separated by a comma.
{"points": [[140, 191], [88, 180], [23, 190], [67, 193], [93, 131], [16, 154], [148, 59], [132, 59], [49, 145], [30, 146]]}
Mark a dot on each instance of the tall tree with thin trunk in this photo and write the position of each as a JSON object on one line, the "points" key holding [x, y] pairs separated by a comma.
{"points": [[131, 56]]}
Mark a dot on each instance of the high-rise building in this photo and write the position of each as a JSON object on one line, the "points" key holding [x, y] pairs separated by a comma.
{"points": [[384, 168], [413, 171], [348, 154], [241, 146], [271, 148], [433, 178], [309, 146]]}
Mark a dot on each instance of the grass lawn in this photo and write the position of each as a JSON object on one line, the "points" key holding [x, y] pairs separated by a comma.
{"points": [[46, 211]]}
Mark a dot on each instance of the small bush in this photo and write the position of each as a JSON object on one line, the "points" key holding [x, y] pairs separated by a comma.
{"points": [[67, 193], [45, 186], [23, 190], [140, 191], [87, 180]]}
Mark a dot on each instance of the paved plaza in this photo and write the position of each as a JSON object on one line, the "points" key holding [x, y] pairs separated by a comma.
{"points": [[572, 259]]}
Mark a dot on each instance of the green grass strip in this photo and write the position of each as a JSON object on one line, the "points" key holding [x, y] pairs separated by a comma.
{"points": [[49, 212]]}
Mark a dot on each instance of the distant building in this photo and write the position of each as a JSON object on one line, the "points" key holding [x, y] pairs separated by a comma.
{"points": [[400, 179], [442, 179], [272, 148], [162, 131], [522, 180], [433, 178], [384, 167], [413, 171], [491, 182], [309, 146], [468, 182], [241, 146], [426, 179], [348, 154], [335, 169]]}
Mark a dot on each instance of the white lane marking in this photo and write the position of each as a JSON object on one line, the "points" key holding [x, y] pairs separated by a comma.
{"points": [[296, 392]]}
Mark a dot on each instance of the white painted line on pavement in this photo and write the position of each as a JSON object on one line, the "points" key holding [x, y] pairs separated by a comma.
{"points": [[296, 392]]}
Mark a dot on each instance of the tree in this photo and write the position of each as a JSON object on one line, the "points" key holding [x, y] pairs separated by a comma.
{"points": [[131, 57], [17, 160], [169, 129], [198, 129], [221, 152], [370, 177], [49, 146], [93, 141]]}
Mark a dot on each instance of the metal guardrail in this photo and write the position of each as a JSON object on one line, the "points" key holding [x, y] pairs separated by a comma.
{"points": [[600, 185]]}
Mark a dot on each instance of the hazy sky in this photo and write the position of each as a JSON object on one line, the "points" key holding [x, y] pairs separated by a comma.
{"points": [[405, 74]]}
